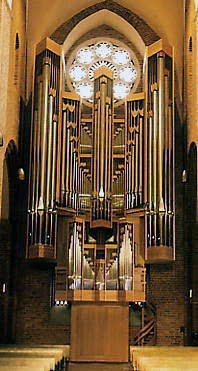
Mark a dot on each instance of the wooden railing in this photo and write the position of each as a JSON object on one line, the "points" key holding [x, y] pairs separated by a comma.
{"points": [[147, 334], [148, 329]]}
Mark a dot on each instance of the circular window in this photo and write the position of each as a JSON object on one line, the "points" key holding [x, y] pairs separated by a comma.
{"points": [[86, 60]]}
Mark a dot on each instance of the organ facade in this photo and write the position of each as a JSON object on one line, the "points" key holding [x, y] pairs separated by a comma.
{"points": [[101, 190]]}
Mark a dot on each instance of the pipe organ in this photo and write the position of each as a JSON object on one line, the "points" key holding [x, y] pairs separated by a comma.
{"points": [[159, 216], [101, 189]]}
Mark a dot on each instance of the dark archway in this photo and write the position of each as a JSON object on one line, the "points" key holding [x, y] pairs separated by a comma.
{"points": [[8, 238], [192, 243]]}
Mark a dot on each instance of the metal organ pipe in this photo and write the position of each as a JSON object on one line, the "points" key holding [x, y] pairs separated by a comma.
{"points": [[70, 161], [160, 60], [102, 149], [134, 151], [155, 161], [46, 76]]}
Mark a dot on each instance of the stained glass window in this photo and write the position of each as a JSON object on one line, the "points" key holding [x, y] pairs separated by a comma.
{"points": [[89, 58]]}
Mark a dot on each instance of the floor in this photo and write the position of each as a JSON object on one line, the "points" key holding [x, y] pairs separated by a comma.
{"points": [[84, 366]]}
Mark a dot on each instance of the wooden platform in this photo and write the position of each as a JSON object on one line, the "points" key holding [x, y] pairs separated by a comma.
{"points": [[99, 332], [164, 358]]}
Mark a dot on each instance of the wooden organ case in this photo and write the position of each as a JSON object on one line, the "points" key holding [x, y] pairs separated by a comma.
{"points": [[101, 195]]}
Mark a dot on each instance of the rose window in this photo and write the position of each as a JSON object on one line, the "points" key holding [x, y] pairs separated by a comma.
{"points": [[88, 59]]}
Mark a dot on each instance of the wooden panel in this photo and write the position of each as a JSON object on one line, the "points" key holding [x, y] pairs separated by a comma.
{"points": [[99, 332], [104, 295], [41, 251], [159, 254], [50, 45], [158, 46]]}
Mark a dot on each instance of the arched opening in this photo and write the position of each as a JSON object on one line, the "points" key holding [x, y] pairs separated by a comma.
{"points": [[192, 234], [9, 236], [190, 46], [16, 61]]}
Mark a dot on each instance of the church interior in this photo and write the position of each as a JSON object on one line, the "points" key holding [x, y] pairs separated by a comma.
{"points": [[98, 185]]}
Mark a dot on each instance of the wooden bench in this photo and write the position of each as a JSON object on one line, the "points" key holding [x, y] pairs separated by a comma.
{"points": [[46, 363], [36, 358], [164, 358]]}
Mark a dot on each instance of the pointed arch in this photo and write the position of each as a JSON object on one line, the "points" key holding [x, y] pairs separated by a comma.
{"points": [[143, 29]]}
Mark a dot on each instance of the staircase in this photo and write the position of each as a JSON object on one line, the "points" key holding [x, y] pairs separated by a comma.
{"points": [[147, 334]]}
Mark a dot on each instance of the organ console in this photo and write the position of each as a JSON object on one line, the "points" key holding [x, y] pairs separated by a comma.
{"points": [[101, 186]]}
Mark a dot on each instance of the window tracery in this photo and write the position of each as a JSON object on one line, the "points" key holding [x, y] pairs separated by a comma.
{"points": [[103, 53]]}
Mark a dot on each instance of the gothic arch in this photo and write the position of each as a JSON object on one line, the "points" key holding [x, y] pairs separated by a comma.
{"points": [[144, 30], [108, 19], [12, 161]]}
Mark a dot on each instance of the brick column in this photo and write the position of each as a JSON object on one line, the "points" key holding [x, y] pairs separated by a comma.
{"points": [[195, 84]]}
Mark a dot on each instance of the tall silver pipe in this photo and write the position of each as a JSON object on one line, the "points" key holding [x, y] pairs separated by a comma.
{"points": [[136, 167], [49, 150], [141, 164], [38, 143], [64, 129], [44, 122], [161, 63], [54, 146]]}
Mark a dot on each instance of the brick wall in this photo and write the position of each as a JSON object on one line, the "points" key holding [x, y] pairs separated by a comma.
{"points": [[33, 322], [166, 289]]}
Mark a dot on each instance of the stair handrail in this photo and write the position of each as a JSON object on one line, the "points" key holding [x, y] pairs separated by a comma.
{"points": [[152, 307], [145, 331]]}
